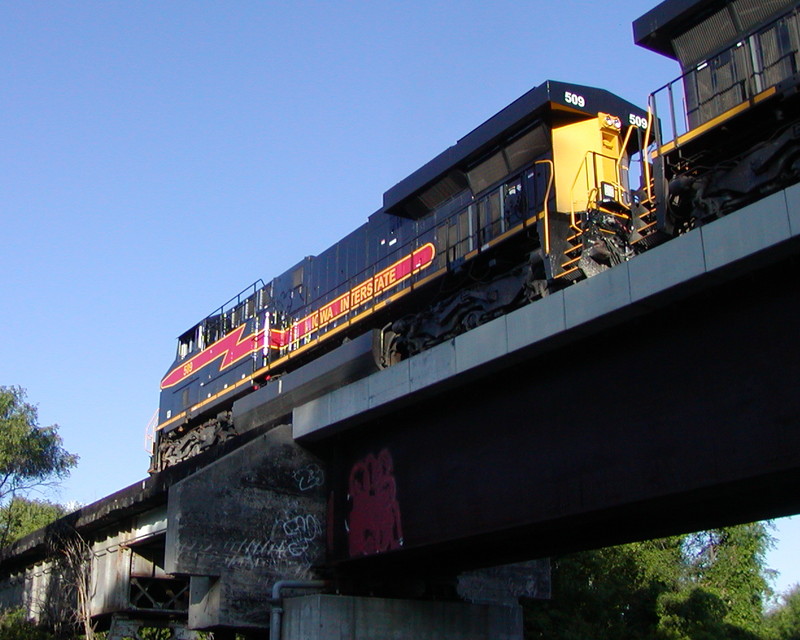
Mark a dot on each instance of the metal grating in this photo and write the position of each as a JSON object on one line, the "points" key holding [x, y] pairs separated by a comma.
{"points": [[709, 36], [487, 173], [525, 149], [752, 13], [780, 45], [725, 28], [749, 66], [443, 190]]}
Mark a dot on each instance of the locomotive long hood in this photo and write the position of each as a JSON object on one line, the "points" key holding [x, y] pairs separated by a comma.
{"points": [[235, 346], [536, 105]]}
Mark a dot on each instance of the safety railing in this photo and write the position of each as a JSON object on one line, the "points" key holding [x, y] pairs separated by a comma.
{"points": [[594, 187], [545, 205], [727, 80]]}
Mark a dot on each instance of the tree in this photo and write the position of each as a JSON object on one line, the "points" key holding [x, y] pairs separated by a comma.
{"points": [[22, 516], [705, 586], [31, 457], [783, 622], [607, 594], [730, 564]]}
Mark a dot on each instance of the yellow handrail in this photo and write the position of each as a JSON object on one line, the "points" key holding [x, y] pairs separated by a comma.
{"points": [[624, 146], [572, 222], [545, 210], [592, 190], [645, 144]]}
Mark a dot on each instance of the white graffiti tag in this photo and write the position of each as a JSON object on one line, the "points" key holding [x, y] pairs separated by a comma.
{"points": [[309, 477]]}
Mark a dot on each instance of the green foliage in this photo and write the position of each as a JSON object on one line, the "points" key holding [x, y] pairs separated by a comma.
{"points": [[783, 622], [692, 614], [609, 594], [30, 456], [14, 626], [705, 586], [165, 633], [155, 633], [22, 516], [28, 452], [730, 564]]}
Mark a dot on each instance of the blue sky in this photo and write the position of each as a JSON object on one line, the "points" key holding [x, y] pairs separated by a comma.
{"points": [[157, 158]]}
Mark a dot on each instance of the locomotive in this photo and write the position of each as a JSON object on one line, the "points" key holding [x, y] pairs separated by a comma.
{"points": [[563, 183], [727, 129]]}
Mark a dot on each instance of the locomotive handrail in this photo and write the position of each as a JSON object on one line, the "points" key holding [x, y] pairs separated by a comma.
{"points": [[572, 220], [751, 81], [623, 148], [590, 189], [545, 208], [298, 341], [289, 322], [219, 312], [645, 159], [238, 298], [283, 320]]}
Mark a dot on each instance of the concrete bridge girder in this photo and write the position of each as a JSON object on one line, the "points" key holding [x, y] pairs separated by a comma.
{"points": [[653, 398]]}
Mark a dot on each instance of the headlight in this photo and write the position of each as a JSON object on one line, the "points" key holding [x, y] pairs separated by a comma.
{"points": [[612, 122]]}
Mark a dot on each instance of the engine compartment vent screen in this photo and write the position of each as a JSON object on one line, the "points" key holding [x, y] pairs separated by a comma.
{"points": [[441, 191], [527, 147], [699, 42], [753, 13]]}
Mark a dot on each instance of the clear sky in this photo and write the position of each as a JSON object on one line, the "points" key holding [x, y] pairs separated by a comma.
{"points": [[158, 157]]}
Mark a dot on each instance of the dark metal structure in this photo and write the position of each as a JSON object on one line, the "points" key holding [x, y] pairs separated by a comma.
{"points": [[590, 437]]}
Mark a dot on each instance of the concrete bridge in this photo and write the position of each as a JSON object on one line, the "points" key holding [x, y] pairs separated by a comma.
{"points": [[654, 398]]}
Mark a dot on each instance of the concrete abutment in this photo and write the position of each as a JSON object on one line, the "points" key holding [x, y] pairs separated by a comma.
{"points": [[332, 617]]}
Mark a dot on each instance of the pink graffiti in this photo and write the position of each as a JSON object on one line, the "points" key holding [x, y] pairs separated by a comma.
{"points": [[374, 524]]}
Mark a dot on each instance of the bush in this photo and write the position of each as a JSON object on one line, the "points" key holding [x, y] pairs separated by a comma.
{"points": [[15, 626]]}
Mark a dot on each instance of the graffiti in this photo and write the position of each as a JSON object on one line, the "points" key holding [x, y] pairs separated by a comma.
{"points": [[290, 549], [300, 532], [309, 477], [374, 522]]}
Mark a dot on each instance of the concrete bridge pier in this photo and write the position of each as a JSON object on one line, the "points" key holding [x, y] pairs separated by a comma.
{"points": [[130, 627], [331, 617]]}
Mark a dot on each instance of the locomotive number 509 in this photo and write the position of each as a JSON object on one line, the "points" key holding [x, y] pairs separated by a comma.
{"points": [[574, 98], [637, 121]]}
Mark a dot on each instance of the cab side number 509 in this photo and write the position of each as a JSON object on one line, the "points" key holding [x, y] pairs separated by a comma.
{"points": [[574, 98], [637, 121]]}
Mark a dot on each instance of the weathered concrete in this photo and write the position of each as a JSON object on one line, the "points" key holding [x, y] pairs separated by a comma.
{"points": [[41, 589], [116, 510], [115, 560], [46, 589], [506, 584], [329, 617], [239, 525], [749, 237], [131, 627]]}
